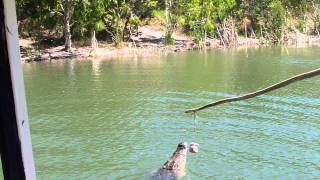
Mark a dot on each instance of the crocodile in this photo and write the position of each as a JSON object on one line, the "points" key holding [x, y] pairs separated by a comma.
{"points": [[175, 167]]}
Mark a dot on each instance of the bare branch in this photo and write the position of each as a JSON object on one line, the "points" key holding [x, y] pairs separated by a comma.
{"points": [[281, 84]]}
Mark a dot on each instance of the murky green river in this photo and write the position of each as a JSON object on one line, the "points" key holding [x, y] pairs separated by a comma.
{"points": [[122, 118]]}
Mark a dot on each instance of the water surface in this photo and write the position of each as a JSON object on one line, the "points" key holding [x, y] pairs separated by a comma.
{"points": [[122, 118]]}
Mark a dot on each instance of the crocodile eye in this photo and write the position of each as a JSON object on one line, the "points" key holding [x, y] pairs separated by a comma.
{"points": [[182, 145]]}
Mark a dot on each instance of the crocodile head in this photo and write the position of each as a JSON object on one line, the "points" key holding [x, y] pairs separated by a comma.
{"points": [[178, 159], [175, 166]]}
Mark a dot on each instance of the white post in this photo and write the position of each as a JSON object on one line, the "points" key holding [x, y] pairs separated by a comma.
{"points": [[18, 88]]}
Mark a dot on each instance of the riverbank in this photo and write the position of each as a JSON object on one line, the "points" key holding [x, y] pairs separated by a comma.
{"points": [[149, 41]]}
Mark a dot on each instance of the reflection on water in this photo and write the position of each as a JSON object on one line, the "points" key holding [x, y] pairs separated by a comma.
{"points": [[123, 118]]}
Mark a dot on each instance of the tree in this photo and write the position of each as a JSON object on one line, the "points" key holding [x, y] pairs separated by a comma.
{"points": [[88, 17], [120, 13], [67, 8], [78, 19]]}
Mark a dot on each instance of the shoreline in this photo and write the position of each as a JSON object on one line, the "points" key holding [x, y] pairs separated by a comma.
{"points": [[150, 42], [105, 51]]}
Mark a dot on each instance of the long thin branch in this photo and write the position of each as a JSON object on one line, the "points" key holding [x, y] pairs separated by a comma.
{"points": [[281, 84]]}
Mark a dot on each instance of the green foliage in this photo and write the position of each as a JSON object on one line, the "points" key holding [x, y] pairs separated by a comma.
{"points": [[87, 17], [160, 15], [99, 26], [135, 21], [276, 17], [35, 16], [169, 40], [198, 18]]}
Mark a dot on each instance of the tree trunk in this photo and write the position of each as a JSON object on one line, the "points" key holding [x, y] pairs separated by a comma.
{"points": [[221, 38], [125, 29], [118, 36], [317, 31], [315, 14], [94, 42], [66, 24], [245, 32], [252, 32], [168, 4]]}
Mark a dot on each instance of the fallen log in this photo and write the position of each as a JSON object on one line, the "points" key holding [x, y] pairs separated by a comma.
{"points": [[281, 84]]}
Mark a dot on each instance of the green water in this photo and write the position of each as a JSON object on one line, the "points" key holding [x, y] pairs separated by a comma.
{"points": [[122, 118]]}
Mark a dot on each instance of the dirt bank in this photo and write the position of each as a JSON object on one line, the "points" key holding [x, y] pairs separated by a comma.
{"points": [[149, 41]]}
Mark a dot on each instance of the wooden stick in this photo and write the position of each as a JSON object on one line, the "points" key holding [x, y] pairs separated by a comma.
{"points": [[281, 84]]}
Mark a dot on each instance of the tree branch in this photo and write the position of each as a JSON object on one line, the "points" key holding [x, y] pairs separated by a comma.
{"points": [[281, 84]]}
